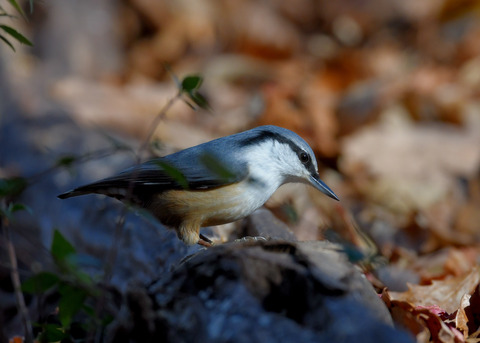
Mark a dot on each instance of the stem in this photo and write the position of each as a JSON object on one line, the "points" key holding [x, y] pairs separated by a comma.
{"points": [[21, 306], [156, 121]]}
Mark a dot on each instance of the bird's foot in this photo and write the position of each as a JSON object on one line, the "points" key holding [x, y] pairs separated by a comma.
{"points": [[251, 239], [207, 242]]}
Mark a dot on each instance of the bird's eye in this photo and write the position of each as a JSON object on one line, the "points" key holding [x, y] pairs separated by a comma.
{"points": [[304, 157]]}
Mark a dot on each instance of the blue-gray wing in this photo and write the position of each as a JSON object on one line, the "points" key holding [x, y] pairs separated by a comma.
{"points": [[183, 170]]}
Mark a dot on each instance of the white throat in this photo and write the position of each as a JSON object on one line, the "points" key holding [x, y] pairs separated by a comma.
{"points": [[271, 164]]}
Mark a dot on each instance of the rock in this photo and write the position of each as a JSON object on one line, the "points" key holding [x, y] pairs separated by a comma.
{"points": [[258, 292]]}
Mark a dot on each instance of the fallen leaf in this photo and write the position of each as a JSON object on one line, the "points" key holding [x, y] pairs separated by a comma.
{"points": [[425, 323], [461, 318], [446, 294]]}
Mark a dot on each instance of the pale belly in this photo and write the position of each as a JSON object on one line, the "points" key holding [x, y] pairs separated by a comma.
{"points": [[212, 207]]}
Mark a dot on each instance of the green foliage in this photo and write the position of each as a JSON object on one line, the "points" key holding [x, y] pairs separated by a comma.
{"points": [[19, 9], [12, 187], [11, 209], [40, 282], [189, 86], [71, 302], [11, 32], [290, 213], [14, 34], [174, 173], [66, 161], [74, 286], [52, 333], [6, 41], [217, 167], [191, 83], [61, 248]]}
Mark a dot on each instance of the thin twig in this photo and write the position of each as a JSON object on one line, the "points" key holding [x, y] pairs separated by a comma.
{"points": [[14, 275], [156, 121], [93, 155]]}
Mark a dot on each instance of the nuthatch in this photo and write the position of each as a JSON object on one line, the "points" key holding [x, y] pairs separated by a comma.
{"points": [[214, 183]]}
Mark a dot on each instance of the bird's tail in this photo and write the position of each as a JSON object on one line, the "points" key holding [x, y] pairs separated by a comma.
{"points": [[113, 189], [73, 193]]}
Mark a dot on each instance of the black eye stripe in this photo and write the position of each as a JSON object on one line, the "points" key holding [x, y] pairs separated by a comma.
{"points": [[266, 135]]}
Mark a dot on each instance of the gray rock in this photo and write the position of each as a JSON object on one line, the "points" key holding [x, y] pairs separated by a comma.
{"points": [[259, 292]]}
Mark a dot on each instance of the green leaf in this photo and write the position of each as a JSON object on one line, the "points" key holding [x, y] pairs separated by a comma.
{"points": [[61, 248], [12, 187], [15, 207], [174, 173], [191, 83], [199, 100], [19, 9], [189, 104], [289, 212], [66, 161], [217, 167], [7, 42], [196, 100], [90, 311], [40, 282], [15, 34], [354, 254], [52, 333], [71, 301], [12, 208], [189, 86], [107, 320]]}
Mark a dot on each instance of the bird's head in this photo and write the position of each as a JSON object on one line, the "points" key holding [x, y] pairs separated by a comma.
{"points": [[276, 156]]}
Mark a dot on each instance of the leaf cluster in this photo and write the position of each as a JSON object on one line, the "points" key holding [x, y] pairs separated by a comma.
{"points": [[74, 287], [10, 188], [10, 32]]}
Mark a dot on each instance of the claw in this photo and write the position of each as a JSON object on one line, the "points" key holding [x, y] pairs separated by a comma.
{"points": [[251, 239], [205, 241]]}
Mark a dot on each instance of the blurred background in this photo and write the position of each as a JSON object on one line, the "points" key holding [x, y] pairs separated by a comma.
{"points": [[385, 92]]}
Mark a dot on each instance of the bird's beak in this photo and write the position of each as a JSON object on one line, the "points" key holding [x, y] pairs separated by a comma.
{"points": [[321, 186]]}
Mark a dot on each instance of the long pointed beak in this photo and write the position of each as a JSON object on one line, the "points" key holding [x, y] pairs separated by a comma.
{"points": [[322, 187]]}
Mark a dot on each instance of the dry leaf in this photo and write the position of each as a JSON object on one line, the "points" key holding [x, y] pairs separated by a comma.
{"points": [[461, 318], [424, 322], [446, 294]]}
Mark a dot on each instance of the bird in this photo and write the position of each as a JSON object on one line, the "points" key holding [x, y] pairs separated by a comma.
{"points": [[217, 182]]}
